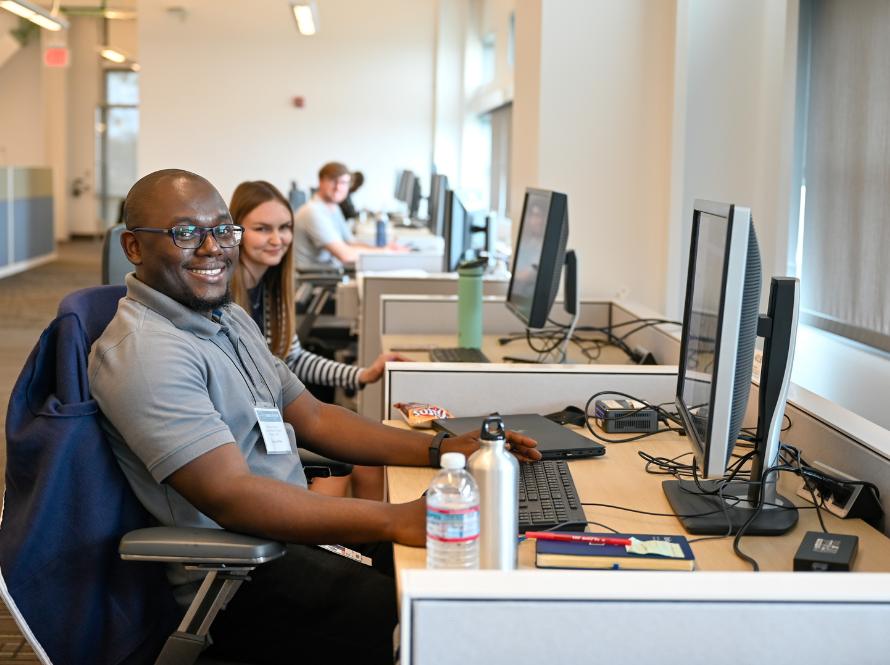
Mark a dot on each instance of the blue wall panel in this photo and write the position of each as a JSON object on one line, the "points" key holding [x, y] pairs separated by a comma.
{"points": [[4, 230], [34, 235]]}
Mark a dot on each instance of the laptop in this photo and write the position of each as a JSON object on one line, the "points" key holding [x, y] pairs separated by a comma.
{"points": [[554, 441]]}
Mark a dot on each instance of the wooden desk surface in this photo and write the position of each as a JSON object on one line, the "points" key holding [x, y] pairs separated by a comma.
{"points": [[415, 347], [619, 478]]}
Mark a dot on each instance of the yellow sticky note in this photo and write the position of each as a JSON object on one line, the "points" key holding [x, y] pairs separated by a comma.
{"points": [[659, 547]]}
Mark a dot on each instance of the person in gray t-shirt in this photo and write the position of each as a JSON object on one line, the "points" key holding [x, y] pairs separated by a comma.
{"points": [[322, 238], [183, 379]]}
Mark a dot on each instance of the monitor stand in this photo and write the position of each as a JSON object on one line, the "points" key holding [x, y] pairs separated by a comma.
{"points": [[572, 306], [713, 515]]}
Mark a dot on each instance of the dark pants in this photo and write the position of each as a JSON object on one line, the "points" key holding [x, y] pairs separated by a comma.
{"points": [[311, 604]]}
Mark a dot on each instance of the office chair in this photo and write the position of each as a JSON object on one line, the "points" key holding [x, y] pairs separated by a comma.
{"points": [[72, 529], [114, 262]]}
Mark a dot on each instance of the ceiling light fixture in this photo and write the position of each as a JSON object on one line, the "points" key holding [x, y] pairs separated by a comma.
{"points": [[306, 15], [35, 14], [112, 54]]}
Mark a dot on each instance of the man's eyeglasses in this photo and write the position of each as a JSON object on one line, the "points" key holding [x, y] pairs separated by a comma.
{"points": [[190, 236]]}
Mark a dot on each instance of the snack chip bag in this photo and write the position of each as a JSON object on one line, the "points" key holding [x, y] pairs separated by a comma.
{"points": [[420, 415]]}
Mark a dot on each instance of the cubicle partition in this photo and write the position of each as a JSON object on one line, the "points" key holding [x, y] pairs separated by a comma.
{"points": [[469, 617], [437, 314], [371, 289], [470, 390], [426, 261], [27, 235], [662, 340]]}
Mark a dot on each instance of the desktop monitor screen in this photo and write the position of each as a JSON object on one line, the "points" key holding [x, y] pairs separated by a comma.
{"points": [[456, 232], [539, 256], [436, 204], [719, 331], [404, 185], [414, 196]]}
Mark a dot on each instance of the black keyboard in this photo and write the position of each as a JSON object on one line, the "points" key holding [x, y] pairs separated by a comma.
{"points": [[547, 497], [458, 355]]}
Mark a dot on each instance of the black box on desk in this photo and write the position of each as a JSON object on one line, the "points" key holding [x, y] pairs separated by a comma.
{"points": [[820, 551], [625, 416]]}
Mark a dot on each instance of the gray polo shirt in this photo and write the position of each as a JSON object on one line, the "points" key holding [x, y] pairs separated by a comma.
{"points": [[315, 225], [173, 384]]}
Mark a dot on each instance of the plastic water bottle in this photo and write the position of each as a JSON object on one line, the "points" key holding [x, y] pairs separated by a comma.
{"points": [[497, 473], [452, 516], [380, 232]]}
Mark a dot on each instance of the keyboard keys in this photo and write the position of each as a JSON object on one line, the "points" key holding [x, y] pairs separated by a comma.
{"points": [[547, 497], [458, 355]]}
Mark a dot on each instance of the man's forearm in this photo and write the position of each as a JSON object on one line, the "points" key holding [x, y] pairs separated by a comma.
{"points": [[344, 435], [278, 510]]}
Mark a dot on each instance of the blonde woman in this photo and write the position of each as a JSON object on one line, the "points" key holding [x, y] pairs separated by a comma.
{"points": [[263, 284]]}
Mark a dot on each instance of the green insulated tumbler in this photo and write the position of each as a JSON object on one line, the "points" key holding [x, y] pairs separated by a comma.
{"points": [[469, 304]]}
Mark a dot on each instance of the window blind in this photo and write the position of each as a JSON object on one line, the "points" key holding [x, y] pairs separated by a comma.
{"points": [[845, 272]]}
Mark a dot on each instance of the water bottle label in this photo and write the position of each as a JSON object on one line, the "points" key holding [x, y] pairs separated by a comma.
{"points": [[452, 526]]}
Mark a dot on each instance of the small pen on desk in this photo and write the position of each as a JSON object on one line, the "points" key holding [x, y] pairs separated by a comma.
{"points": [[576, 537]]}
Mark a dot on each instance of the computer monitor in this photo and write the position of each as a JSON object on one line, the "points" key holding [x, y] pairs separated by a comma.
{"points": [[721, 322], [539, 256], [436, 204], [404, 180], [413, 195], [455, 231]]}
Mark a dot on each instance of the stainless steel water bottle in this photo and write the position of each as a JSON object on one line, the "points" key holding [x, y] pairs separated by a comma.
{"points": [[496, 472]]}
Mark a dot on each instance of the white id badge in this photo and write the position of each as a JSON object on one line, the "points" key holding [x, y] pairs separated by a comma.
{"points": [[274, 435]]}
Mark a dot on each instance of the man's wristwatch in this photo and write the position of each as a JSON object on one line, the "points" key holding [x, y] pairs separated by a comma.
{"points": [[435, 448]]}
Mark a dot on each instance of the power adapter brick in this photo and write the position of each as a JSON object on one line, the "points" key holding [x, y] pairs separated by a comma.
{"points": [[625, 416], [820, 551]]}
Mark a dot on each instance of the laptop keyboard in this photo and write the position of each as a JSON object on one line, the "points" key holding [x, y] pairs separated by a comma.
{"points": [[547, 497], [458, 355]]}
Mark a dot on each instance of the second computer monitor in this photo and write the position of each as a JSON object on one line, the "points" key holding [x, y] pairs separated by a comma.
{"points": [[436, 204], [456, 232], [403, 185], [539, 256], [414, 195]]}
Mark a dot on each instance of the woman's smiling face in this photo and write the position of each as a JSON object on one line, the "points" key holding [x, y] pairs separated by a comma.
{"points": [[268, 233]]}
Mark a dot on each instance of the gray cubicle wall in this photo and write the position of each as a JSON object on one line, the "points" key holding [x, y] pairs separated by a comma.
{"points": [[27, 236], [370, 400], [670, 618]]}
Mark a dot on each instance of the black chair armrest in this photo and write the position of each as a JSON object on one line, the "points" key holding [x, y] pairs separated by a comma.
{"points": [[196, 546], [319, 466]]}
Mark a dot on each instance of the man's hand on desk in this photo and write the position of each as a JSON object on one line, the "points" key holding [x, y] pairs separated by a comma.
{"points": [[525, 448]]}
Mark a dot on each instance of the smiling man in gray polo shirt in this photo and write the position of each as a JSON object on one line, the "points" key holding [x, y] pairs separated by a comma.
{"points": [[183, 377]]}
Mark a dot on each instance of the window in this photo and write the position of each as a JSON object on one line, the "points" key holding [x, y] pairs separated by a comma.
{"points": [[843, 234], [118, 119]]}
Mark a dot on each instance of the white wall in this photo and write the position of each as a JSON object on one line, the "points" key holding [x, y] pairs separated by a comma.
{"points": [[217, 87], [524, 167], [603, 131], [451, 27], [84, 96], [21, 118], [733, 123]]}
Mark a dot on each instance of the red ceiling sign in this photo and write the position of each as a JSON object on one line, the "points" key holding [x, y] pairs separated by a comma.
{"points": [[56, 56]]}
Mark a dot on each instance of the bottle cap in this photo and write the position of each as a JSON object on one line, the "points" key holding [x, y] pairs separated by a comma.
{"points": [[492, 429], [453, 461]]}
